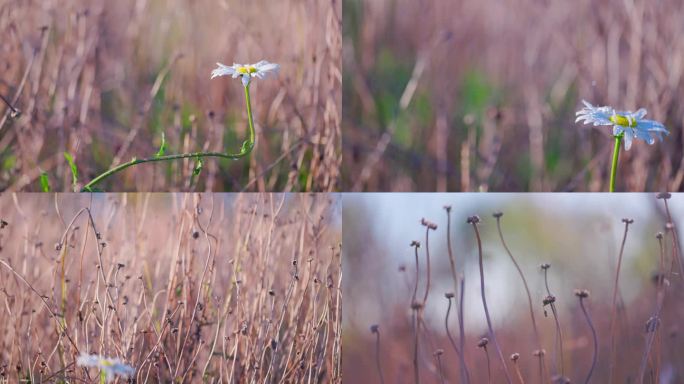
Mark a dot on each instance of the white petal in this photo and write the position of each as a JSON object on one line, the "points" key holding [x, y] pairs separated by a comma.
{"points": [[222, 70], [628, 139], [639, 114]]}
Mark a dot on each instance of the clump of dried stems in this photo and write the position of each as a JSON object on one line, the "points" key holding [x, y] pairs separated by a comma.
{"points": [[184, 288]]}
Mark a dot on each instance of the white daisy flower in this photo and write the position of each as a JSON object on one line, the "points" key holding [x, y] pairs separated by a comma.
{"points": [[110, 367], [631, 124], [246, 72]]}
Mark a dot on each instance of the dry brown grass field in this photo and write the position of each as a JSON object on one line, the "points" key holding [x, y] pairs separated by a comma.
{"points": [[213, 288], [416, 315], [103, 80], [481, 95]]}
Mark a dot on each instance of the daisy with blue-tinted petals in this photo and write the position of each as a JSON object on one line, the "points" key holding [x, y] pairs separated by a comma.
{"points": [[630, 124], [626, 125], [109, 368]]}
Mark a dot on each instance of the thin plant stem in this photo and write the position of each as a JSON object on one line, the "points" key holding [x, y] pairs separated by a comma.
{"points": [[614, 163], [613, 310], [474, 220], [415, 245], [461, 329], [594, 358], [465, 377], [489, 367], [246, 149], [522, 277], [428, 226], [376, 329], [514, 358], [559, 333], [438, 356], [415, 320], [675, 237], [464, 369], [653, 324]]}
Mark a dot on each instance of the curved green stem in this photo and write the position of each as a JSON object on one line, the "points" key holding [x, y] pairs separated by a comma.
{"points": [[614, 165], [246, 149]]}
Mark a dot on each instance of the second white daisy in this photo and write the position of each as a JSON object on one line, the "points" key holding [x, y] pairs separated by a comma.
{"points": [[629, 124], [246, 72], [109, 367]]}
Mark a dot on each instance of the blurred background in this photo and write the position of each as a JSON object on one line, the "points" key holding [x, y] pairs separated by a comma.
{"points": [[481, 95], [579, 235], [103, 80]]}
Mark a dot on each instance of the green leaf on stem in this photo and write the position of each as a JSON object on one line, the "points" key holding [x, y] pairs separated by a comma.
{"points": [[162, 146], [74, 170], [44, 182], [198, 167]]}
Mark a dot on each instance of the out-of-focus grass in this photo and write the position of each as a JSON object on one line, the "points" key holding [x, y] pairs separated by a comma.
{"points": [[91, 67], [185, 288], [493, 107]]}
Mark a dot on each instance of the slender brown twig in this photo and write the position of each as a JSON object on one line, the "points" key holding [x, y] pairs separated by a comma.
{"points": [[550, 300], [583, 294], [463, 369], [375, 329], [613, 310], [474, 220]]}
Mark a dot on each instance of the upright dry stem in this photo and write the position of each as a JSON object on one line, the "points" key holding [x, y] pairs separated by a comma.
{"points": [[522, 277], [613, 310], [583, 294], [457, 289], [474, 220]]}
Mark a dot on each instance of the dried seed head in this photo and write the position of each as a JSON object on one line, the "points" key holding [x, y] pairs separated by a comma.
{"points": [[483, 342], [195, 234], [656, 276], [447, 208], [271, 292], [428, 224], [539, 352], [415, 243], [438, 352], [550, 299], [582, 293], [627, 220], [473, 219], [449, 295], [375, 328], [659, 235], [402, 268], [663, 195], [3, 223], [497, 214], [515, 357], [545, 266]]}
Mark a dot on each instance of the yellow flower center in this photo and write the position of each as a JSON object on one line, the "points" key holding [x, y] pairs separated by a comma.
{"points": [[246, 69], [623, 121], [106, 363]]}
